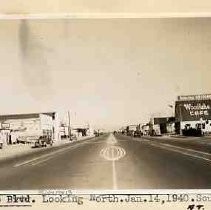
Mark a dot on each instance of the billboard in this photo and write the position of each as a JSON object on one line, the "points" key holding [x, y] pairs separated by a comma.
{"points": [[193, 110]]}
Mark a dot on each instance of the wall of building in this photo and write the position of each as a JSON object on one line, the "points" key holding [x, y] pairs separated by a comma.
{"points": [[156, 129], [170, 128], [24, 127], [46, 122], [64, 131], [205, 125], [192, 110], [145, 130], [21, 124], [20, 127]]}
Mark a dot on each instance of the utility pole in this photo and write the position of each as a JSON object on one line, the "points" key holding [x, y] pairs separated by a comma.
{"points": [[173, 115], [69, 128], [180, 113]]}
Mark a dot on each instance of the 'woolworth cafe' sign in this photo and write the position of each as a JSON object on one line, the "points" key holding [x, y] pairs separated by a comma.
{"points": [[193, 107]]}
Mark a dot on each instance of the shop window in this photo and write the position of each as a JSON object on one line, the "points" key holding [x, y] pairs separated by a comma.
{"points": [[187, 126], [198, 126]]}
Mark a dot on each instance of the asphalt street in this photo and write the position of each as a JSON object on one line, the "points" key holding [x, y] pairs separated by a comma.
{"points": [[197, 143], [106, 162]]}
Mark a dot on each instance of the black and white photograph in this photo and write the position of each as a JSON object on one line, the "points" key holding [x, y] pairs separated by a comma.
{"points": [[105, 103]]}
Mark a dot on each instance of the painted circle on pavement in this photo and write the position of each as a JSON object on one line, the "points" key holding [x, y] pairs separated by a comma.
{"points": [[112, 153]]}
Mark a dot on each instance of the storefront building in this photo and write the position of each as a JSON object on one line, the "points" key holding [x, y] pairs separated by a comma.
{"points": [[29, 126], [193, 112], [145, 128], [163, 125]]}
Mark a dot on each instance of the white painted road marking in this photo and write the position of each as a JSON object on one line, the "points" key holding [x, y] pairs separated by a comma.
{"points": [[113, 153], [46, 157], [114, 171], [178, 150], [111, 139], [185, 151]]}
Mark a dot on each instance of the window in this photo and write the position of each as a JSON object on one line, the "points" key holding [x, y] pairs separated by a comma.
{"points": [[198, 126], [187, 126]]}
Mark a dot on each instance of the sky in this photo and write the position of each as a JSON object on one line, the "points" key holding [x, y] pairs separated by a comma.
{"points": [[106, 72]]}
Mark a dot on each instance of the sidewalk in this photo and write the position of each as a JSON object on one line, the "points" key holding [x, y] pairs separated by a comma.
{"points": [[14, 150]]}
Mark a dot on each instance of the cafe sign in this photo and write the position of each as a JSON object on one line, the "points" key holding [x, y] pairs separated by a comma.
{"points": [[193, 110]]}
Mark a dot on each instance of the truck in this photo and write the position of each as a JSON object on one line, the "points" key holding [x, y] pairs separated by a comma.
{"points": [[41, 138], [130, 130]]}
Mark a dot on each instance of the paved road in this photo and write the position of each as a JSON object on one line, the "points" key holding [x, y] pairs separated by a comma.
{"points": [[106, 162], [197, 143]]}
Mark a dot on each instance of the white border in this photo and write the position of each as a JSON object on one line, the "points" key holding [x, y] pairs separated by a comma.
{"points": [[101, 15]]}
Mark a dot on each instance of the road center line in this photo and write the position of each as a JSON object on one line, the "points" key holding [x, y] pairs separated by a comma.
{"points": [[114, 175], [113, 169]]}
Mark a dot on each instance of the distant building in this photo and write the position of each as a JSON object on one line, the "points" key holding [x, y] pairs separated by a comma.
{"points": [[163, 125], [145, 129], [130, 129], [122, 130], [64, 131], [82, 130]]}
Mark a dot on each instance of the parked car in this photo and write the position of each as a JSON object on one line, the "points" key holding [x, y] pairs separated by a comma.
{"points": [[138, 134], [1, 144], [43, 141]]}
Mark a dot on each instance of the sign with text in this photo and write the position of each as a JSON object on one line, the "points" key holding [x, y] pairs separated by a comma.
{"points": [[5, 126], [194, 97], [132, 199], [193, 110]]}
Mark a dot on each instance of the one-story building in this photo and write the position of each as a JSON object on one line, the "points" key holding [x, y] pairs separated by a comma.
{"points": [[163, 125], [82, 130], [28, 126], [193, 113]]}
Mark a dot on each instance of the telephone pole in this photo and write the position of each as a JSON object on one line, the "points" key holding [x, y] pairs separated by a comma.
{"points": [[69, 128]]}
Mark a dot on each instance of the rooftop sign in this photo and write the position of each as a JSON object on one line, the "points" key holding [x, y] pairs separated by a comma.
{"points": [[194, 97]]}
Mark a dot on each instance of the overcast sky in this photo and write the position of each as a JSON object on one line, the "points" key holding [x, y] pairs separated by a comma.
{"points": [[108, 72]]}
